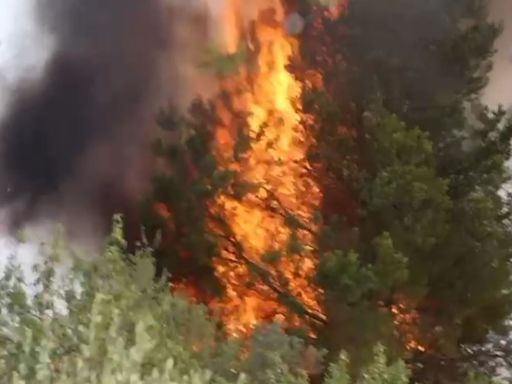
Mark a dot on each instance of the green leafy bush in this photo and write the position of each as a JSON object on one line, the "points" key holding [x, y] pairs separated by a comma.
{"points": [[107, 320]]}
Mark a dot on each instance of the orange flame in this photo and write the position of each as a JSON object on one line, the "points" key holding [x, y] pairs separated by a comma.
{"points": [[406, 321], [276, 166]]}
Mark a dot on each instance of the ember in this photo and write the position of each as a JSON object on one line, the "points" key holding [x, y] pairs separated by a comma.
{"points": [[406, 321]]}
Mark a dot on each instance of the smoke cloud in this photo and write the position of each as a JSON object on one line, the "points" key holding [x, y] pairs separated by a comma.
{"points": [[73, 143]]}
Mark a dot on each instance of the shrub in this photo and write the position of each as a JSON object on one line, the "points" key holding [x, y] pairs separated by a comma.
{"points": [[107, 320]]}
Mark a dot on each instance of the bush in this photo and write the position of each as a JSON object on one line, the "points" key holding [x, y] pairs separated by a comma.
{"points": [[108, 321]]}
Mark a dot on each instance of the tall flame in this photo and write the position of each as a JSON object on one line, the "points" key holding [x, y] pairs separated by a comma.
{"points": [[256, 285]]}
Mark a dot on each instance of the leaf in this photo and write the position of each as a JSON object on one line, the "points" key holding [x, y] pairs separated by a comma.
{"points": [[144, 273]]}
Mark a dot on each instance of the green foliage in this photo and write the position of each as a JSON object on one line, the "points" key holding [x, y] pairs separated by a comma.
{"points": [[440, 242], [403, 192], [108, 321], [337, 372], [391, 267], [189, 177], [420, 162], [344, 274], [380, 372], [227, 64]]}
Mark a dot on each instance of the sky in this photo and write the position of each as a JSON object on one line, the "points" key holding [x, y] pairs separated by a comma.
{"points": [[23, 46], [499, 90], [20, 39]]}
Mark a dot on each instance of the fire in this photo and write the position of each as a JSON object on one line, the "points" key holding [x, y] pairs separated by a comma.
{"points": [[264, 276], [406, 321], [257, 265]]}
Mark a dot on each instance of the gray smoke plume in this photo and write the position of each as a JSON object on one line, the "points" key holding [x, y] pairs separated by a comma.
{"points": [[73, 144]]}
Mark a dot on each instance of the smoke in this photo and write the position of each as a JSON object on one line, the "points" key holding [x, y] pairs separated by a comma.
{"points": [[197, 27], [74, 142]]}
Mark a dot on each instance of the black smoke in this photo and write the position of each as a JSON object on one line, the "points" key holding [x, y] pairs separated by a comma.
{"points": [[75, 141]]}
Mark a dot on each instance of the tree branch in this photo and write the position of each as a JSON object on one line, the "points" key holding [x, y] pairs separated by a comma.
{"points": [[265, 276]]}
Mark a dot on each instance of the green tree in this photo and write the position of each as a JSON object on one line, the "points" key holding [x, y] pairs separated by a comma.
{"points": [[414, 242], [435, 184]]}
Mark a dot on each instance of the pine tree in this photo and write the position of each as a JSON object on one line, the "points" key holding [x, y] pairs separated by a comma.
{"points": [[433, 185]]}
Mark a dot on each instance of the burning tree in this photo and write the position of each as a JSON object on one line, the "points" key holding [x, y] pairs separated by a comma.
{"points": [[239, 202], [257, 195], [305, 194]]}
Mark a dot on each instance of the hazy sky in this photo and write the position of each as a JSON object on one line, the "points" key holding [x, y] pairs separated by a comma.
{"points": [[500, 86]]}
